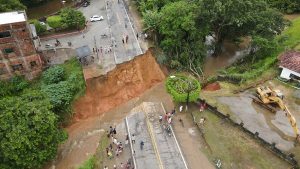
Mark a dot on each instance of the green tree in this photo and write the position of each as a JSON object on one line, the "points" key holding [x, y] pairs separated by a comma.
{"points": [[11, 5], [72, 18], [287, 6], [182, 38], [231, 19], [183, 88], [151, 21], [29, 133], [55, 22]]}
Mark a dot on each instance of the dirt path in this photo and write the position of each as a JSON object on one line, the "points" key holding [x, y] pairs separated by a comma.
{"points": [[190, 142]]}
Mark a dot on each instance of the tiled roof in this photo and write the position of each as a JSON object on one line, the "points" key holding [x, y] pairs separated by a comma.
{"points": [[290, 60]]}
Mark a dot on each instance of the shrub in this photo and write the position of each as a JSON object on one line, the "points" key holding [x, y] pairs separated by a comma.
{"points": [[55, 21], [72, 18], [13, 86], [38, 26], [52, 75], [180, 85], [60, 95]]}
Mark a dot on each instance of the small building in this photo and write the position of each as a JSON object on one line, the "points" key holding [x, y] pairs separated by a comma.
{"points": [[290, 64], [18, 55]]}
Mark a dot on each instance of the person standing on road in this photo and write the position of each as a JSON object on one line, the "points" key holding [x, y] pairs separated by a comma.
{"points": [[133, 138], [126, 39], [123, 40], [142, 145]]}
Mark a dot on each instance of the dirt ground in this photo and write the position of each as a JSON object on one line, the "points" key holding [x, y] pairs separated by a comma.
{"points": [[126, 81]]}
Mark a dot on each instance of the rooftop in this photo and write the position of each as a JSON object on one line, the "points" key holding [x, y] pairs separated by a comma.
{"points": [[290, 60], [12, 17]]}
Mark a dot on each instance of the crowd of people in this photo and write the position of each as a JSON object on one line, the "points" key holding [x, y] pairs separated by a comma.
{"points": [[116, 148]]}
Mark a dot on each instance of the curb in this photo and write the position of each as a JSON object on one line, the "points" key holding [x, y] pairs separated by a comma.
{"points": [[130, 143]]}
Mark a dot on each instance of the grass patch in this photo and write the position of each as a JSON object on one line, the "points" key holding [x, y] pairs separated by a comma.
{"points": [[101, 151], [233, 147], [242, 72], [88, 164]]}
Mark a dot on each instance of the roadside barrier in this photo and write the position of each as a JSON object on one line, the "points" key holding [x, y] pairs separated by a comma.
{"points": [[269, 146]]}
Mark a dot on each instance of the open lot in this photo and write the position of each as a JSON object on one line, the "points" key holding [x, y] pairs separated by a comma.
{"points": [[274, 128], [234, 148]]}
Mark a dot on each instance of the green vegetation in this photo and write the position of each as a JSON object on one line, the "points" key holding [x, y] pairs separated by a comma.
{"points": [[11, 5], [68, 18], [55, 21], [88, 164], [29, 132], [31, 113], [101, 152], [183, 88], [72, 18], [38, 26], [249, 69], [234, 148], [287, 6], [62, 84], [181, 27]]}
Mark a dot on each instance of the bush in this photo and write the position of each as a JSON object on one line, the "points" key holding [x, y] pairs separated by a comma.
{"points": [[72, 18], [55, 21], [38, 26], [179, 86], [52, 75], [13, 86], [60, 95]]}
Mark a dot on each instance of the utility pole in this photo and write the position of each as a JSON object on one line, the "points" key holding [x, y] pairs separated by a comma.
{"points": [[96, 47]]}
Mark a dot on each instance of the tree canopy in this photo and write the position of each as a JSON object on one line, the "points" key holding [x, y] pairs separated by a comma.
{"points": [[11, 5], [29, 133], [72, 18], [234, 19]]}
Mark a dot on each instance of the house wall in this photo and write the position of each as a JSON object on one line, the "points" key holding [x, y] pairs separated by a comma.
{"points": [[23, 52], [285, 73]]}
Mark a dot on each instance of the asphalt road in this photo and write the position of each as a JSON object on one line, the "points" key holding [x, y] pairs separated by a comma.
{"points": [[116, 25], [160, 150]]}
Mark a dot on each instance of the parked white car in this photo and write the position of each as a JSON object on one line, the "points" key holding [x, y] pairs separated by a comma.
{"points": [[96, 18]]}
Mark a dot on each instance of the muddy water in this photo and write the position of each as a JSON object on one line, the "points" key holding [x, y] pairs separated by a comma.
{"points": [[47, 8], [271, 127], [230, 53]]}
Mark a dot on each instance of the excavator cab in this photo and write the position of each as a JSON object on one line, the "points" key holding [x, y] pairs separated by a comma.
{"points": [[268, 97]]}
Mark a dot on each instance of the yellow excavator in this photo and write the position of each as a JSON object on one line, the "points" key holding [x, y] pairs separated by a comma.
{"points": [[268, 97]]}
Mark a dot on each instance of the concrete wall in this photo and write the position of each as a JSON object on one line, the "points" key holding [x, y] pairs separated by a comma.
{"points": [[23, 52], [286, 73]]}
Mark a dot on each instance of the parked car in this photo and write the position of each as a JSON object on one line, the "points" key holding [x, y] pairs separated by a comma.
{"points": [[96, 18]]}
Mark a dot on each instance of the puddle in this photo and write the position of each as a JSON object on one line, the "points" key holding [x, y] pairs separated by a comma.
{"points": [[271, 127]]}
